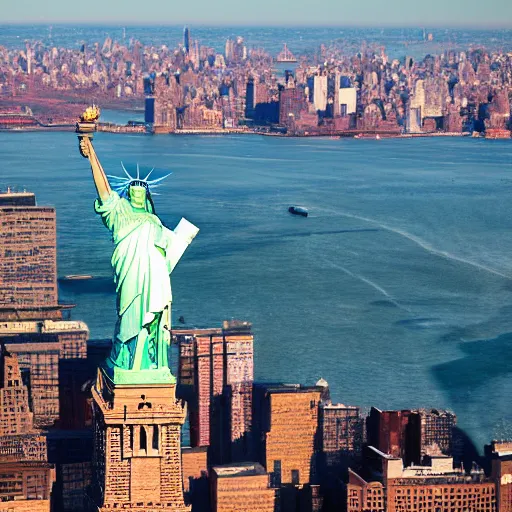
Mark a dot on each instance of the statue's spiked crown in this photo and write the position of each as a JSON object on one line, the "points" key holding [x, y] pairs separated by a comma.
{"points": [[121, 184]]}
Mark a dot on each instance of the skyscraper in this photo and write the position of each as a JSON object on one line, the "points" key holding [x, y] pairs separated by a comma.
{"points": [[186, 40], [28, 256], [286, 425], [215, 376]]}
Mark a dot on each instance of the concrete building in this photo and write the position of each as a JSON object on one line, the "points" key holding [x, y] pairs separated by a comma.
{"points": [[244, 486], [292, 104], [320, 92], [347, 101], [389, 432]]}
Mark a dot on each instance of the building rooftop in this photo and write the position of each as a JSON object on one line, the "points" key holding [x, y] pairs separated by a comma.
{"points": [[15, 198], [239, 469], [280, 387]]}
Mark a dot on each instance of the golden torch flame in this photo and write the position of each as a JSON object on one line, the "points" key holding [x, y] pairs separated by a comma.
{"points": [[91, 114]]}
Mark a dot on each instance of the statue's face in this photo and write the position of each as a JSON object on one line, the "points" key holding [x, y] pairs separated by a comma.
{"points": [[137, 196]]}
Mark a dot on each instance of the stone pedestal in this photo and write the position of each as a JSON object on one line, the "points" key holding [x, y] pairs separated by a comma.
{"points": [[137, 449]]}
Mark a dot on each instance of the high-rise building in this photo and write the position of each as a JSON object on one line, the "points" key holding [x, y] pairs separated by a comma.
{"points": [[320, 92], [26, 478], [28, 256], [32, 326], [216, 372], [342, 434], [292, 102], [411, 435], [388, 431], [286, 431], [250, 98], [186, 39]]}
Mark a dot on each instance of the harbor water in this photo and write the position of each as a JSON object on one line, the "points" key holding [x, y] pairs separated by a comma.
{"points": [[397, 289]]}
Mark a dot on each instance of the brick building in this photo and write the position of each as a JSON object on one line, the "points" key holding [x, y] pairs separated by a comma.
{"points": [[436, 487], [26, 479], [411, 434], [502, 474], [28, 253], [50, 354], [215, 375], [292, 104], [286, 431], [341, 428], [243, 486]]}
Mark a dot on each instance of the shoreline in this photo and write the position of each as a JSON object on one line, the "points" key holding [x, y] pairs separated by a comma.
{"points": [[137, 130]]}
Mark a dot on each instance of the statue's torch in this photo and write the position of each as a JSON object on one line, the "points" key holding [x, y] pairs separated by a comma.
{"points": [[86, 126]]}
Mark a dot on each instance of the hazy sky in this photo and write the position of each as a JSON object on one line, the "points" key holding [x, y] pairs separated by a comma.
{"points": [[478, 13]]}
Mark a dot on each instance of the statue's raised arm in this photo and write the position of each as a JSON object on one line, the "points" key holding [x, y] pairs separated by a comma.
{"points": [[85, 128]]}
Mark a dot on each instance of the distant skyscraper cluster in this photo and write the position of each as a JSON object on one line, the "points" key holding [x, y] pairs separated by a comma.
{"points": [[195, 87]]}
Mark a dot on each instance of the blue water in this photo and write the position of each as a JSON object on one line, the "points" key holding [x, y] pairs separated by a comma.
{"points": [[397, 288], [399, 42]]}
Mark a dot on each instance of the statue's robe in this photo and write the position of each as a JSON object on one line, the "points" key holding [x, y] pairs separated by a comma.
{"points": [[145, 253]]}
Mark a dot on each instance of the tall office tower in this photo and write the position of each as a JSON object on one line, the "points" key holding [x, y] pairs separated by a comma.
{"points": [[216, 372], [320, 92], [412, 435], [229, 50], [292, 103], [250, 97], [25, 476], [32, 326], [285, 430], [137, 447], [436, 432], [28, 257], [336, 103], [393, 433], [186, 39], [341, 430], [433, 488], [502, 474], [243, 486]]}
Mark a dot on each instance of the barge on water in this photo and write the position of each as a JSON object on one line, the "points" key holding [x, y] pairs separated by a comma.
{"points": [[298, 210]]}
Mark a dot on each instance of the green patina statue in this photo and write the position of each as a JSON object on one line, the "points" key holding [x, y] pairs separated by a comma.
{"points": [[145, 254]]}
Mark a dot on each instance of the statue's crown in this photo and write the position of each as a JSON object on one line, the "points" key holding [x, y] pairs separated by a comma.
{"points": [[121, 184]]}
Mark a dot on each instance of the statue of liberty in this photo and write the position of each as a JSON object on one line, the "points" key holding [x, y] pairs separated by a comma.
{"points": [[145, 254]]}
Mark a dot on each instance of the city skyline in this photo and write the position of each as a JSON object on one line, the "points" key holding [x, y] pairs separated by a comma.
{"points": [[397, 13]]}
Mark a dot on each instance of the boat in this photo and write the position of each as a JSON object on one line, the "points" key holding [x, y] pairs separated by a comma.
{"points": [[298, 210], [76, 277], [286, 55]]}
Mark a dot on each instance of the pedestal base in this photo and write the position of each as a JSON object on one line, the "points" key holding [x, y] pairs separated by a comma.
{"points": [[120, 376], [137, 447]]}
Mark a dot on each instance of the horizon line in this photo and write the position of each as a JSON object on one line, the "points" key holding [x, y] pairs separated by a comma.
{"points": [[386, 25]]}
